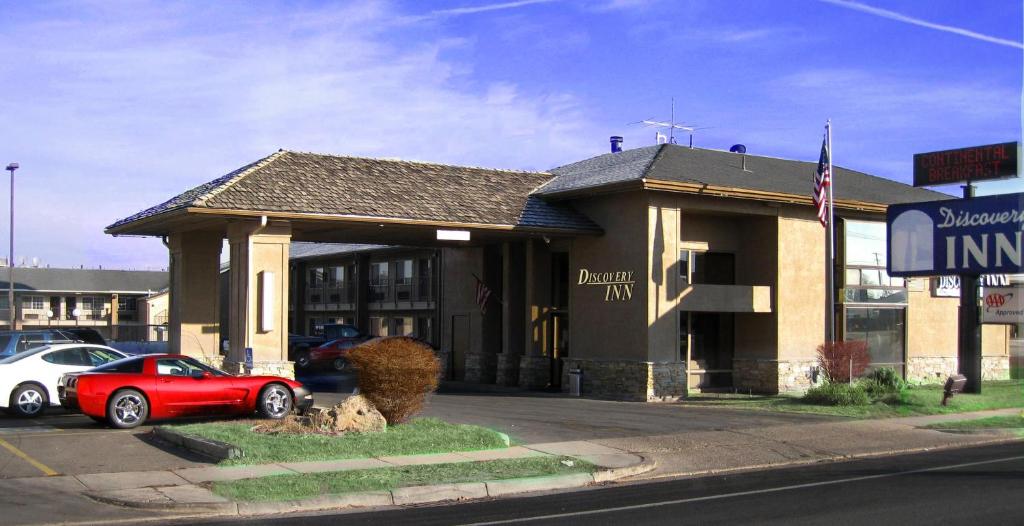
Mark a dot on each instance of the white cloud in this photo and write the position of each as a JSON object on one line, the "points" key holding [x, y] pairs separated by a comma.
{"points": [[114, 111]]}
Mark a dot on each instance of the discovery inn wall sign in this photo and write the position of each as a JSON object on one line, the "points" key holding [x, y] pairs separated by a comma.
{"points": [[970, 236], [618, 286]]}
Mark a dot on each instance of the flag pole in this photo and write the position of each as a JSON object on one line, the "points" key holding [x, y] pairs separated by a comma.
{"points": [[831, 308]]}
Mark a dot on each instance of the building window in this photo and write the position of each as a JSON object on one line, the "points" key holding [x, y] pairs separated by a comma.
{"points": [[335, 284], [424, 329], [874, 303], [93, 303], [126, 304], [402, 326], [711, 268], [378, 326], [403, 280], [3, 302], [315, 285], [379, 281], [32, 302]]}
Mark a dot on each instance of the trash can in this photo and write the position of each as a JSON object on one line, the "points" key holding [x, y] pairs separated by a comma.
{"points": [[575, 382]]}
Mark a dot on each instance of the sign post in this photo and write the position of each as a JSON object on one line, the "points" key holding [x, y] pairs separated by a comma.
{"points": [[969, 237]]}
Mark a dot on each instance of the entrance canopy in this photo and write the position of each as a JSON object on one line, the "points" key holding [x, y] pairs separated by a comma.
{"points": [[361, 200]]}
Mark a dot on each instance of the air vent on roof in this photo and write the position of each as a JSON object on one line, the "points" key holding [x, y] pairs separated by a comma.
{"points": [[742, 150], [616, 143]]}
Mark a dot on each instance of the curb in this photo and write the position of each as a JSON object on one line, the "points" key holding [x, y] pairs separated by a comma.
{"points": [[204, 446], [409, 495]]}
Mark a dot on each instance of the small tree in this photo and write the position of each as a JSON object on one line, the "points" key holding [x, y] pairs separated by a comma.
{"points": [[837, 358], [396, 374]]}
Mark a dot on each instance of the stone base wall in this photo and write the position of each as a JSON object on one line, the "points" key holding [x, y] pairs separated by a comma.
{"points": [[670, 382], [773, 376], [507, 369], [285, 369], [480, 368], [930, 369], [995, 367], [534, 372]]}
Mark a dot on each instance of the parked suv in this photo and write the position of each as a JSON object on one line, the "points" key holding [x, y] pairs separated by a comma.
{"points": [[13, 342]]}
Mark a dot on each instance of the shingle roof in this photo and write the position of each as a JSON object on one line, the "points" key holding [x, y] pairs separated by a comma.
{"points": [[354, 186], [306, 250], [669, 162], [87, 280]]}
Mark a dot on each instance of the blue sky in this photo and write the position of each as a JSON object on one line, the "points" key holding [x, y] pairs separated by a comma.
{"points": [[111, 107]]}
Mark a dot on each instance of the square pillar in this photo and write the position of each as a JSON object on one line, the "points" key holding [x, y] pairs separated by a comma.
{"points": [[258, 298], [193, 311]]}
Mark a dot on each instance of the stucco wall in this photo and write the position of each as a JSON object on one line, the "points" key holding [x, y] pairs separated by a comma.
{"points": [[800, 291], [602, 329]]}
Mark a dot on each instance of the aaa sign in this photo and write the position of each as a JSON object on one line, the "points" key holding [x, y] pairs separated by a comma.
{"points": [[1003, 305]]}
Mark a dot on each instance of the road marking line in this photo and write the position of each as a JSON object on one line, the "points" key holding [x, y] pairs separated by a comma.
{"points": [[742, 493], [21, 454]]}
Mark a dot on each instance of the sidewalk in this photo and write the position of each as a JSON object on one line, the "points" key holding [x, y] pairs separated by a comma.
{"points": [[182, 489], [692, 453]]}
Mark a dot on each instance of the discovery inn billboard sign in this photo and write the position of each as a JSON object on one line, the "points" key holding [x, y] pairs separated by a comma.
{"points": [[968, 237]]}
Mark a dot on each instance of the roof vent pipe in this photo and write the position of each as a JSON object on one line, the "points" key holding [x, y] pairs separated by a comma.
{"points": [[742, 150], [616, 143]]}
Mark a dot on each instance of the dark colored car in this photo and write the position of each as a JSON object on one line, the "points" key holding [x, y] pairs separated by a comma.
{"points": [[86, 335], [339, 338], [128, 392], [13, 342]]}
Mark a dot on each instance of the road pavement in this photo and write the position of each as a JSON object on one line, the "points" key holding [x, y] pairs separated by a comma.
{"points": [[965, 486]]}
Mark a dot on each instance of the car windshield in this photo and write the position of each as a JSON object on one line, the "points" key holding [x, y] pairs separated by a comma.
{"points": [[132, 364], [184, 367]]}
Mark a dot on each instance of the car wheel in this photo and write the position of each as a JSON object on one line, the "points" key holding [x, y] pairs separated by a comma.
{"points": [[302, 360], [340, 364], [28, 401], [275, 402], [127, 409]]}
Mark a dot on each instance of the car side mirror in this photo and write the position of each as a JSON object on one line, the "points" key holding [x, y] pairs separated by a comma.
{"points": [[201, 375]]}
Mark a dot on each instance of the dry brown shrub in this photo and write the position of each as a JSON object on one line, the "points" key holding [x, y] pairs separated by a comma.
{"points": [[836, 359], [396, 374]]}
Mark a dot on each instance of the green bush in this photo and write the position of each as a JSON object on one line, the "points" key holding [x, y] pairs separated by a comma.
{"points": [[837, 394], [887, 377]]}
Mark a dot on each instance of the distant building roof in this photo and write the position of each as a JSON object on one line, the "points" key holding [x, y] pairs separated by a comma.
{"points": [[87, 280], [308, 183], [673, 163]]}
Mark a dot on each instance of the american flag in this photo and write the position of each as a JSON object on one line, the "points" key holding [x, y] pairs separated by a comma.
{"points": [[822, 180], [483, 293]]}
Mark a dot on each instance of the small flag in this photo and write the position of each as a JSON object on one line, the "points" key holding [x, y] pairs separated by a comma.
{"points": [[483, 293], [822, 180]]}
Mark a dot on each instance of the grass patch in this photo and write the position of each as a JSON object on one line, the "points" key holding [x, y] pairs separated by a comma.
{"points": [[912, 401], [420, 436], [993, 422], [292, 487]]}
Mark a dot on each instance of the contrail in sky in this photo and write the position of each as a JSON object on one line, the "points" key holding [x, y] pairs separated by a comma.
{"points": [[892, 15], [491, 7]]}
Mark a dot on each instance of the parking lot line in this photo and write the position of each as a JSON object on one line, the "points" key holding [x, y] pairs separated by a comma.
{"points": [[49, 472]]}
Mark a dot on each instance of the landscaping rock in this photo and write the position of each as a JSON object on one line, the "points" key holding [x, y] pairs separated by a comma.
{"points": [[356, 413]]}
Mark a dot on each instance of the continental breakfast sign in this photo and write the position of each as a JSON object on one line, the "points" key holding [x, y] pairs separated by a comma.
{"points": [[977, 163], [618, 286]]}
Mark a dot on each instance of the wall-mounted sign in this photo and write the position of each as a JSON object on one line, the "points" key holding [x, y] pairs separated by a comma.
{"points": [[1003, 305], [960, 236], [949, 286], [977, 163], [618, 286]]}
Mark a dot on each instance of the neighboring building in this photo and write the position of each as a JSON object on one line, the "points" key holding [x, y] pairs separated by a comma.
{"points": [[119, 304], [654, 271]]}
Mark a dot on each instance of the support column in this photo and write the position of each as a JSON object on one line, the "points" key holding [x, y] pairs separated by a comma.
{"points": [[193, 303], [258, 297], [512, 327], [114, 300], [534, 365]]}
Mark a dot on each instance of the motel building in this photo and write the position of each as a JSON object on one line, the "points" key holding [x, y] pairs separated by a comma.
{"points": [[654, 271]]}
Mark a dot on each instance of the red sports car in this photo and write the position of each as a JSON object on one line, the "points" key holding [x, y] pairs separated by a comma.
{"points": [[333, 354], [127, 392]]}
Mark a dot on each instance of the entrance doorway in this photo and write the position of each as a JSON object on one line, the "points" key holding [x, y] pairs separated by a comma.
{"points": [[709, 340], [559, 346]]}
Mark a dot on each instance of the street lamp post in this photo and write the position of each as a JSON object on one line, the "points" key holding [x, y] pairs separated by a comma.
{"points": [[10, 258]]}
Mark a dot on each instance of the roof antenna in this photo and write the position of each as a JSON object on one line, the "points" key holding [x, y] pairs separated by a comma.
{"points": [[672, 126]]}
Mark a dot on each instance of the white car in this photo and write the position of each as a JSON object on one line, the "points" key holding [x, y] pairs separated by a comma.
{"points": [[28, 380]]}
